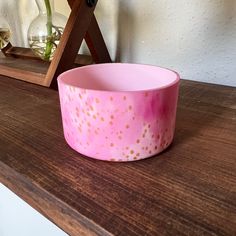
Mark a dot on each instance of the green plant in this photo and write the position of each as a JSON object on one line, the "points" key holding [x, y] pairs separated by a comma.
{"points": [[49, 43], [44, 45]]}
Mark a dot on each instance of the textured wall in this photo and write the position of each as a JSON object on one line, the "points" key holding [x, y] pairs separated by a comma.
{"points": [[194, 37]]}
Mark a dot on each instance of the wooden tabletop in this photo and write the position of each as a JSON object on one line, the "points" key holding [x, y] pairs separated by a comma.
{"points": [[190, 189]]}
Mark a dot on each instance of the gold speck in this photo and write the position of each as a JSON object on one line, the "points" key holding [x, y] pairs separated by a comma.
{"points": [[127, 126], [138, 141], [120, 137], [112, 144], [143, 135], [130, 107], [88, 114], [131, 151], [94, 117], [97, 100], [91, 108], [80, 96], [124, 97], [127, 148], [135, 158], [112, 117], [127, 156], [102, 119], [138, 154], [145, 131], [88, 124], [112, 159], [110, 123]]}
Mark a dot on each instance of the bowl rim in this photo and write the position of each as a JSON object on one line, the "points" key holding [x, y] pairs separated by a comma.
{"points": [[176, 81]]}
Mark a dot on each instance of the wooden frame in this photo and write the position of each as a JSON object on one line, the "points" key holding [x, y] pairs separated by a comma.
{"points": [[20, 63]]}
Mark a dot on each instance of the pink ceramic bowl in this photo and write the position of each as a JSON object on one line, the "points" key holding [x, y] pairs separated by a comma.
{"points": [[118, 112]]}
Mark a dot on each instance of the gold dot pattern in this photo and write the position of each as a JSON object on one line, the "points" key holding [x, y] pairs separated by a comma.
{"points": [[119, 136]]}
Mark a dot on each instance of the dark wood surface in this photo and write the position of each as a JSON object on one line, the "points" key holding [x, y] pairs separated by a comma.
{"points": [[190, 189]]}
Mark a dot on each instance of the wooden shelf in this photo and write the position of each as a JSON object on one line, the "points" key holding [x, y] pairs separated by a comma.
{"points": [[33, 70], [28, 70], [187, 190]]}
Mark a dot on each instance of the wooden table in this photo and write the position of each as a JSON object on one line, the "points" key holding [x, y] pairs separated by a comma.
{"points": [[190, 189]]}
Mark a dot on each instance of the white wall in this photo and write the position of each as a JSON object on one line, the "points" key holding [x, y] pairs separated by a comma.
{"points": [[197, 38], [17, 218]]}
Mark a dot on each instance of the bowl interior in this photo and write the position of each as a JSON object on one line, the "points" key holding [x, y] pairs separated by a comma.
{"points": [[119, 77]]}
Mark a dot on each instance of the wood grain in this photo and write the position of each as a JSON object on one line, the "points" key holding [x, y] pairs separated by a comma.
{"points": [[190, 189]]}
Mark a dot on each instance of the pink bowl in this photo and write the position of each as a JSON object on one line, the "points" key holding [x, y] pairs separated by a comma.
{"points": [[118, 112]]}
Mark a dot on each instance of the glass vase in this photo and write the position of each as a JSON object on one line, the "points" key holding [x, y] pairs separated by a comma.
{"points": [[45, 30], [5, 33]]}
